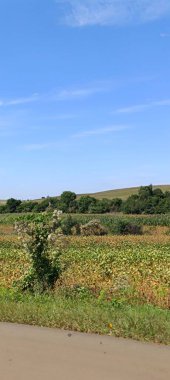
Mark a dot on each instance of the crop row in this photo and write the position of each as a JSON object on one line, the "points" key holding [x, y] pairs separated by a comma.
{"points": [[108, 220], [133, 272]]}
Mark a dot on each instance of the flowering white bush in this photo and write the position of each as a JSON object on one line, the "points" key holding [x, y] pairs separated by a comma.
{"points": [[43, 243]]}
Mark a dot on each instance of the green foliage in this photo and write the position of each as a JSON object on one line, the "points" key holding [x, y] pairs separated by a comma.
{"points": [[85, 314], [12, 205], [122, 227], [67, 201], [85, 202], [111, 285], [37, 240], [148, 201], [132, 205], [67, 225], [27, 206], [145, 192], [116, 205], [3, 209], [100, 206]]}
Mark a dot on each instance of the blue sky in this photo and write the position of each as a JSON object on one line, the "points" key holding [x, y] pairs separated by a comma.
{"points": [[84, 95]]}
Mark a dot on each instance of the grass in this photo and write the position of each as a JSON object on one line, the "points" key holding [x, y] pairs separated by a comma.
{"points": [[86, 314], [122, 193]]}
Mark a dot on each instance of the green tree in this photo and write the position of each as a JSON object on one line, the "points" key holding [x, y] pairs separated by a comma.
{"points": [[67, 199], [116, 204], [132, 205], [12, 205], [100, 207], [85, 202], [145, 192]]}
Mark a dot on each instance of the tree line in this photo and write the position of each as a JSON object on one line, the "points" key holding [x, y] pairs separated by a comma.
{"points": [[147, 201]]}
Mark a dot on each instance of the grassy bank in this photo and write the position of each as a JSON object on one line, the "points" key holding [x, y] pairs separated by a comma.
{"points": [[86, 314]]}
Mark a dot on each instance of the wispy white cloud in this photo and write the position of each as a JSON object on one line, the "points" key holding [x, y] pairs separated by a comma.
{"points": [[78, 93], [101, 131], [112, 12], [72, 93], [19, 101], [71, 139], [58, 95], [141, 107]]}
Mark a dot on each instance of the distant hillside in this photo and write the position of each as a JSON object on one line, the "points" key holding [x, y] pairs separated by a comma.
{"points": [[123, 193], [2, 202], [110, 194]]}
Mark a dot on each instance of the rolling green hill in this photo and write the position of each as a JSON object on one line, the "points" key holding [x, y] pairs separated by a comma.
{"points": [[110, 194], [122, 193]]}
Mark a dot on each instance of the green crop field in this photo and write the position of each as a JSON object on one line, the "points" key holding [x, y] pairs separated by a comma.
{"points": [[116, 285]]}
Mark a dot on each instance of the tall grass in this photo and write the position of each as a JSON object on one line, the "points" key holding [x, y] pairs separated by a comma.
{"points": [[86, 314]]}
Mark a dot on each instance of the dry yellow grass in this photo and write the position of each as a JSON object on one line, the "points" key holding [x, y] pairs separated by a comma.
{"points": [[122, 193], [151, 235]]}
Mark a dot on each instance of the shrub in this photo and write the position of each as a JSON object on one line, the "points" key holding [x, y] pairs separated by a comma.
{"points": [[28, 206], [122, 227], [37, 240], [68, 225], [93, 227]]}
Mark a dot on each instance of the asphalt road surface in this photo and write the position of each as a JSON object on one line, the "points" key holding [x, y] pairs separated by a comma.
{"points": [[35, 353]]}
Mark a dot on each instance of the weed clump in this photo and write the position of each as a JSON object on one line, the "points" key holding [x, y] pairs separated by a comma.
{"points": [[122, 227], [70, 226], [93, 228]]}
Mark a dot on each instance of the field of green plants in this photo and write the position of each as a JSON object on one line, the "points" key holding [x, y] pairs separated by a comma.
{"points": [[113, 284]]}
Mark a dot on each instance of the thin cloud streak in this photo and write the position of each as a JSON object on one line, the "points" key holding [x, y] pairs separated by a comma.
{"points": [[101, 131], [71, 94], [93, 132], [79, 13], [19, 101], [145, 106], [58, 95], [78, 93]]}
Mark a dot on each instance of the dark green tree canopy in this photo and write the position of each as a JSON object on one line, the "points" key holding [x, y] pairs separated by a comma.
{"points": [[12, 205], [67, 199]]}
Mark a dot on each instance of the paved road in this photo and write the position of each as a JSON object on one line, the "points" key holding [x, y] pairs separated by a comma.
{"points": [[33, 353]]}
